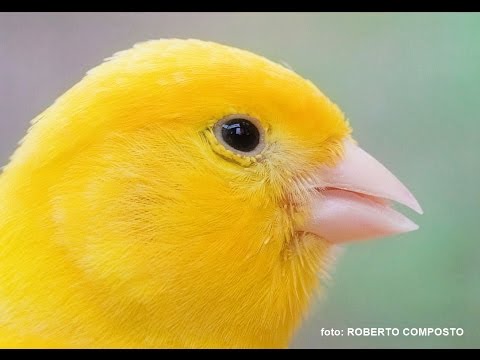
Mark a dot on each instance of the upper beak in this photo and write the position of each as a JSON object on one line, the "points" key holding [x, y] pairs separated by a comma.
{"points": [[352, 201]]}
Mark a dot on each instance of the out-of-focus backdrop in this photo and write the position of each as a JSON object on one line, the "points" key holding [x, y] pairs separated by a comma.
{"points": [[409, 83]]}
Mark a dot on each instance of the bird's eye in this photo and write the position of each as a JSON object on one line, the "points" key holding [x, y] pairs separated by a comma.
{"points": [[241, 134]]}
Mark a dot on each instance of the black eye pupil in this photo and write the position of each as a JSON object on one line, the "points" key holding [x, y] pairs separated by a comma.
{"points": [[241, 134]]}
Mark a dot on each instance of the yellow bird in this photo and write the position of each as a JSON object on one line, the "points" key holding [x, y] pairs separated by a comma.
{"points": [[182, 194]]}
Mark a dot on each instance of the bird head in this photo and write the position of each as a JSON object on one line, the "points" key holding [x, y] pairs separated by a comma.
{"points": [[201, 188]]}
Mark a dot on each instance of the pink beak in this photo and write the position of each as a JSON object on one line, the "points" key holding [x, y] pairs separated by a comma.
{"points": [[352, 201]]}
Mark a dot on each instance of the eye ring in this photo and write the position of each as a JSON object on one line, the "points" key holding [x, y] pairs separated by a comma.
{"points": [[241, 134]]}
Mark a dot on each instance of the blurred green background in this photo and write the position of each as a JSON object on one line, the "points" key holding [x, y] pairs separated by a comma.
{"points": [[409, 83]]}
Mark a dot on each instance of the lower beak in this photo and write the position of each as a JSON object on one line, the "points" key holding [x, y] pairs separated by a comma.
{"points": [[353, 201]]}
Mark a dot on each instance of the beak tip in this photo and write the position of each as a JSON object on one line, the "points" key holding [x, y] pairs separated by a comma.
{"points": [[414, 227], [414, 205], [407, 227]]}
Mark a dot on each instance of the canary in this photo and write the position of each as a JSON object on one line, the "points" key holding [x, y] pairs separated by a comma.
{"points": [[183, 194]]}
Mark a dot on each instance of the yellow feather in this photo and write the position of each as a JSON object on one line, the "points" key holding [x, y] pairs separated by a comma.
{"points": [[124, 223]]}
